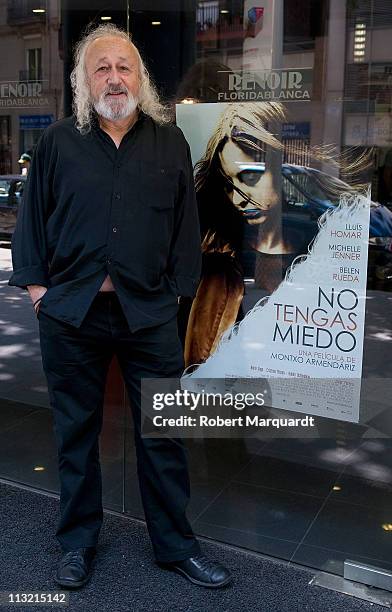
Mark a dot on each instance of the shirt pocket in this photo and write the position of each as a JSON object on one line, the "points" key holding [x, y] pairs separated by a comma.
{"points": [[159, 184]]}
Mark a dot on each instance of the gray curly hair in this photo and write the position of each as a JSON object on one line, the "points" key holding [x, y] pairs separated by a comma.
{"points": [[82, 103]]}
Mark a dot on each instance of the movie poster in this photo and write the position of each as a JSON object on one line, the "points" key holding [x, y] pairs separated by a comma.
{"points": [[283, 287]]}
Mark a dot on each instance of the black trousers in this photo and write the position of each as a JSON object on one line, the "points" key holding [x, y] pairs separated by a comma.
{"points": [[76, 363]]}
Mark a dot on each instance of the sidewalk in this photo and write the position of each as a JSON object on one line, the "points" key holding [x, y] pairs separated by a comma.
{"points": [[126, 577]]}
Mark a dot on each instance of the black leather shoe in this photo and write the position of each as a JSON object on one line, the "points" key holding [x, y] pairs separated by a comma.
{"points": [[201, 571], [73, 570]]}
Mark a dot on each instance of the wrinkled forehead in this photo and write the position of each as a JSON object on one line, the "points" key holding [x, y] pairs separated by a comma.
{"points": [[110, 49]]}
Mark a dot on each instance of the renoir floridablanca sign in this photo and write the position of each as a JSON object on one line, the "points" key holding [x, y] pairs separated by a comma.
{"points": [[22, 94], [282, 85], [283, 288]]}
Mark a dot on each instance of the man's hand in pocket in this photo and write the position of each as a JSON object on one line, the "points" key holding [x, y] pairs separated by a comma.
{"points": [[36, 294]]}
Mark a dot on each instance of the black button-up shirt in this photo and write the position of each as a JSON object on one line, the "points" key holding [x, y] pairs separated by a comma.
{"points": [[92, 209]]}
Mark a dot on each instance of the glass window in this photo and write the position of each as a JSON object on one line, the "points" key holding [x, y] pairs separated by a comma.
{"points": [[34, 64]]}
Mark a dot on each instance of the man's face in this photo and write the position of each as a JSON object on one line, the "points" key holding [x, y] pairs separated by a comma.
{"points": [[24, 168], [113, 73], [245, 182]]}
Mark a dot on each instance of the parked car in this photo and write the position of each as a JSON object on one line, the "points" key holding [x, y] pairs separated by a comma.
{"points": [[11, 193]]}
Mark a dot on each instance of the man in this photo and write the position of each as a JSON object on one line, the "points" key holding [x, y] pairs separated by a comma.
{"points": [[24, 161], [106, 241]]}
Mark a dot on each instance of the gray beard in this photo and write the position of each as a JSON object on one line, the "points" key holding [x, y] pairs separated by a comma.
{"points": [[114, 112]]}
